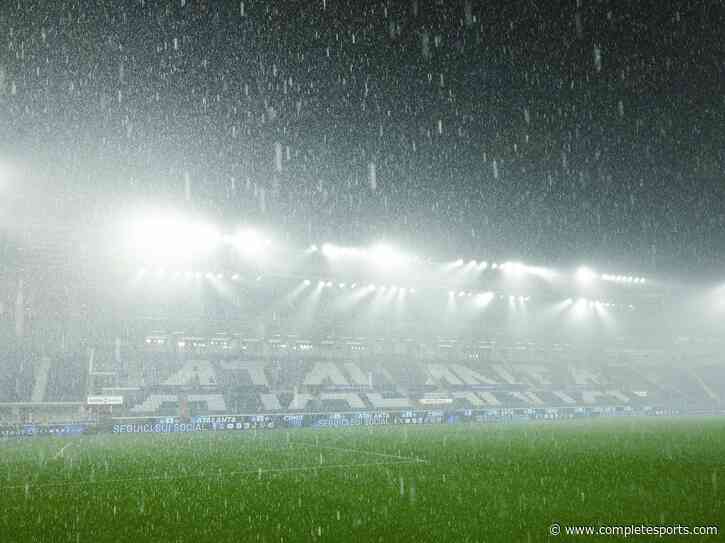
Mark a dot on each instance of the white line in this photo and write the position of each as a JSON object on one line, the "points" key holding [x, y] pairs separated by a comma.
{"points": [[59, 454], [209, 476], [360, 451]]}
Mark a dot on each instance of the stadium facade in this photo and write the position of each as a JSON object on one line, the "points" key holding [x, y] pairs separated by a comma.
{"points": [[158, 334]]}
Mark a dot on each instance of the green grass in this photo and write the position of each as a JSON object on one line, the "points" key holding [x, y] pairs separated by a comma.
{"points": [[438, 484]]}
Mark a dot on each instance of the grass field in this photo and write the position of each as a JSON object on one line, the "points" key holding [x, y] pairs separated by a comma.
{"points": [[423, 483]]}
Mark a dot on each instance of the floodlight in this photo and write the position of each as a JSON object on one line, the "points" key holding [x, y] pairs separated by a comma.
{"points": [[513, 268], [250, 242], [384, 255], [585, 275]]}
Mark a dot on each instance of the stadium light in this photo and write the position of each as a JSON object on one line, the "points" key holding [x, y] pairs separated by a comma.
{"points": [[329, 250], [484, 298], [384, 256], [585, 275], [250, 243], [169, 238]]}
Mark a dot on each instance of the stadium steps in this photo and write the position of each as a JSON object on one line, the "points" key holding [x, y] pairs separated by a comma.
{"points": [[40, 387], [135, 372], [710, 392]]}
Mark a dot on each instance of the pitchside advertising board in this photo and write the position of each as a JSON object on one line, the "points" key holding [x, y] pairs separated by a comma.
{"points": [[104, 400], [325, 420], [30, 430]]}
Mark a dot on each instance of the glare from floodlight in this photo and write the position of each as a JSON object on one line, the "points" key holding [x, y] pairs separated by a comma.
{"points": [[169, 238], [354, 285], [385, 256], [515, 269], [328, 284], [458, 262], [329, 250], [341, 285], [307, 282], [484, 298], [585, 275], [483, 265], [312, 249], [494, 266], [250, 243]]}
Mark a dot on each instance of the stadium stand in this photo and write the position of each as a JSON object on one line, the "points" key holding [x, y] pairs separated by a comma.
{"points": [[154, 382]]}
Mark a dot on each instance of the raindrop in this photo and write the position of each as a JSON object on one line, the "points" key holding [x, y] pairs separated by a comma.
{"points": [[597, 58]]}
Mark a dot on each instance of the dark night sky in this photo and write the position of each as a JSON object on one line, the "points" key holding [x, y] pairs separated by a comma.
{"points": [[550, 131]]}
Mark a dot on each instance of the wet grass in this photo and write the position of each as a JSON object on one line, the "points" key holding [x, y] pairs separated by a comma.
{"points": [[444, 483]]}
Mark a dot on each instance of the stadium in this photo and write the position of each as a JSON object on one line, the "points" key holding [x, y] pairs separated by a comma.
{"points": [[333, 335], [383, 271], [222, 352]]}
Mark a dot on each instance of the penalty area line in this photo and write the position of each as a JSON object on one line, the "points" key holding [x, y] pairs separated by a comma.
{"points": [[209, 476], [59, 454], [361, 451]]}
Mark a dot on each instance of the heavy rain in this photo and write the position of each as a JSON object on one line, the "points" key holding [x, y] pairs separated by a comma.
{"points": [[417, 270]]}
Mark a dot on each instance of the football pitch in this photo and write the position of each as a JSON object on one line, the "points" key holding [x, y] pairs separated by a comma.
{"points": [[459, 483]]}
